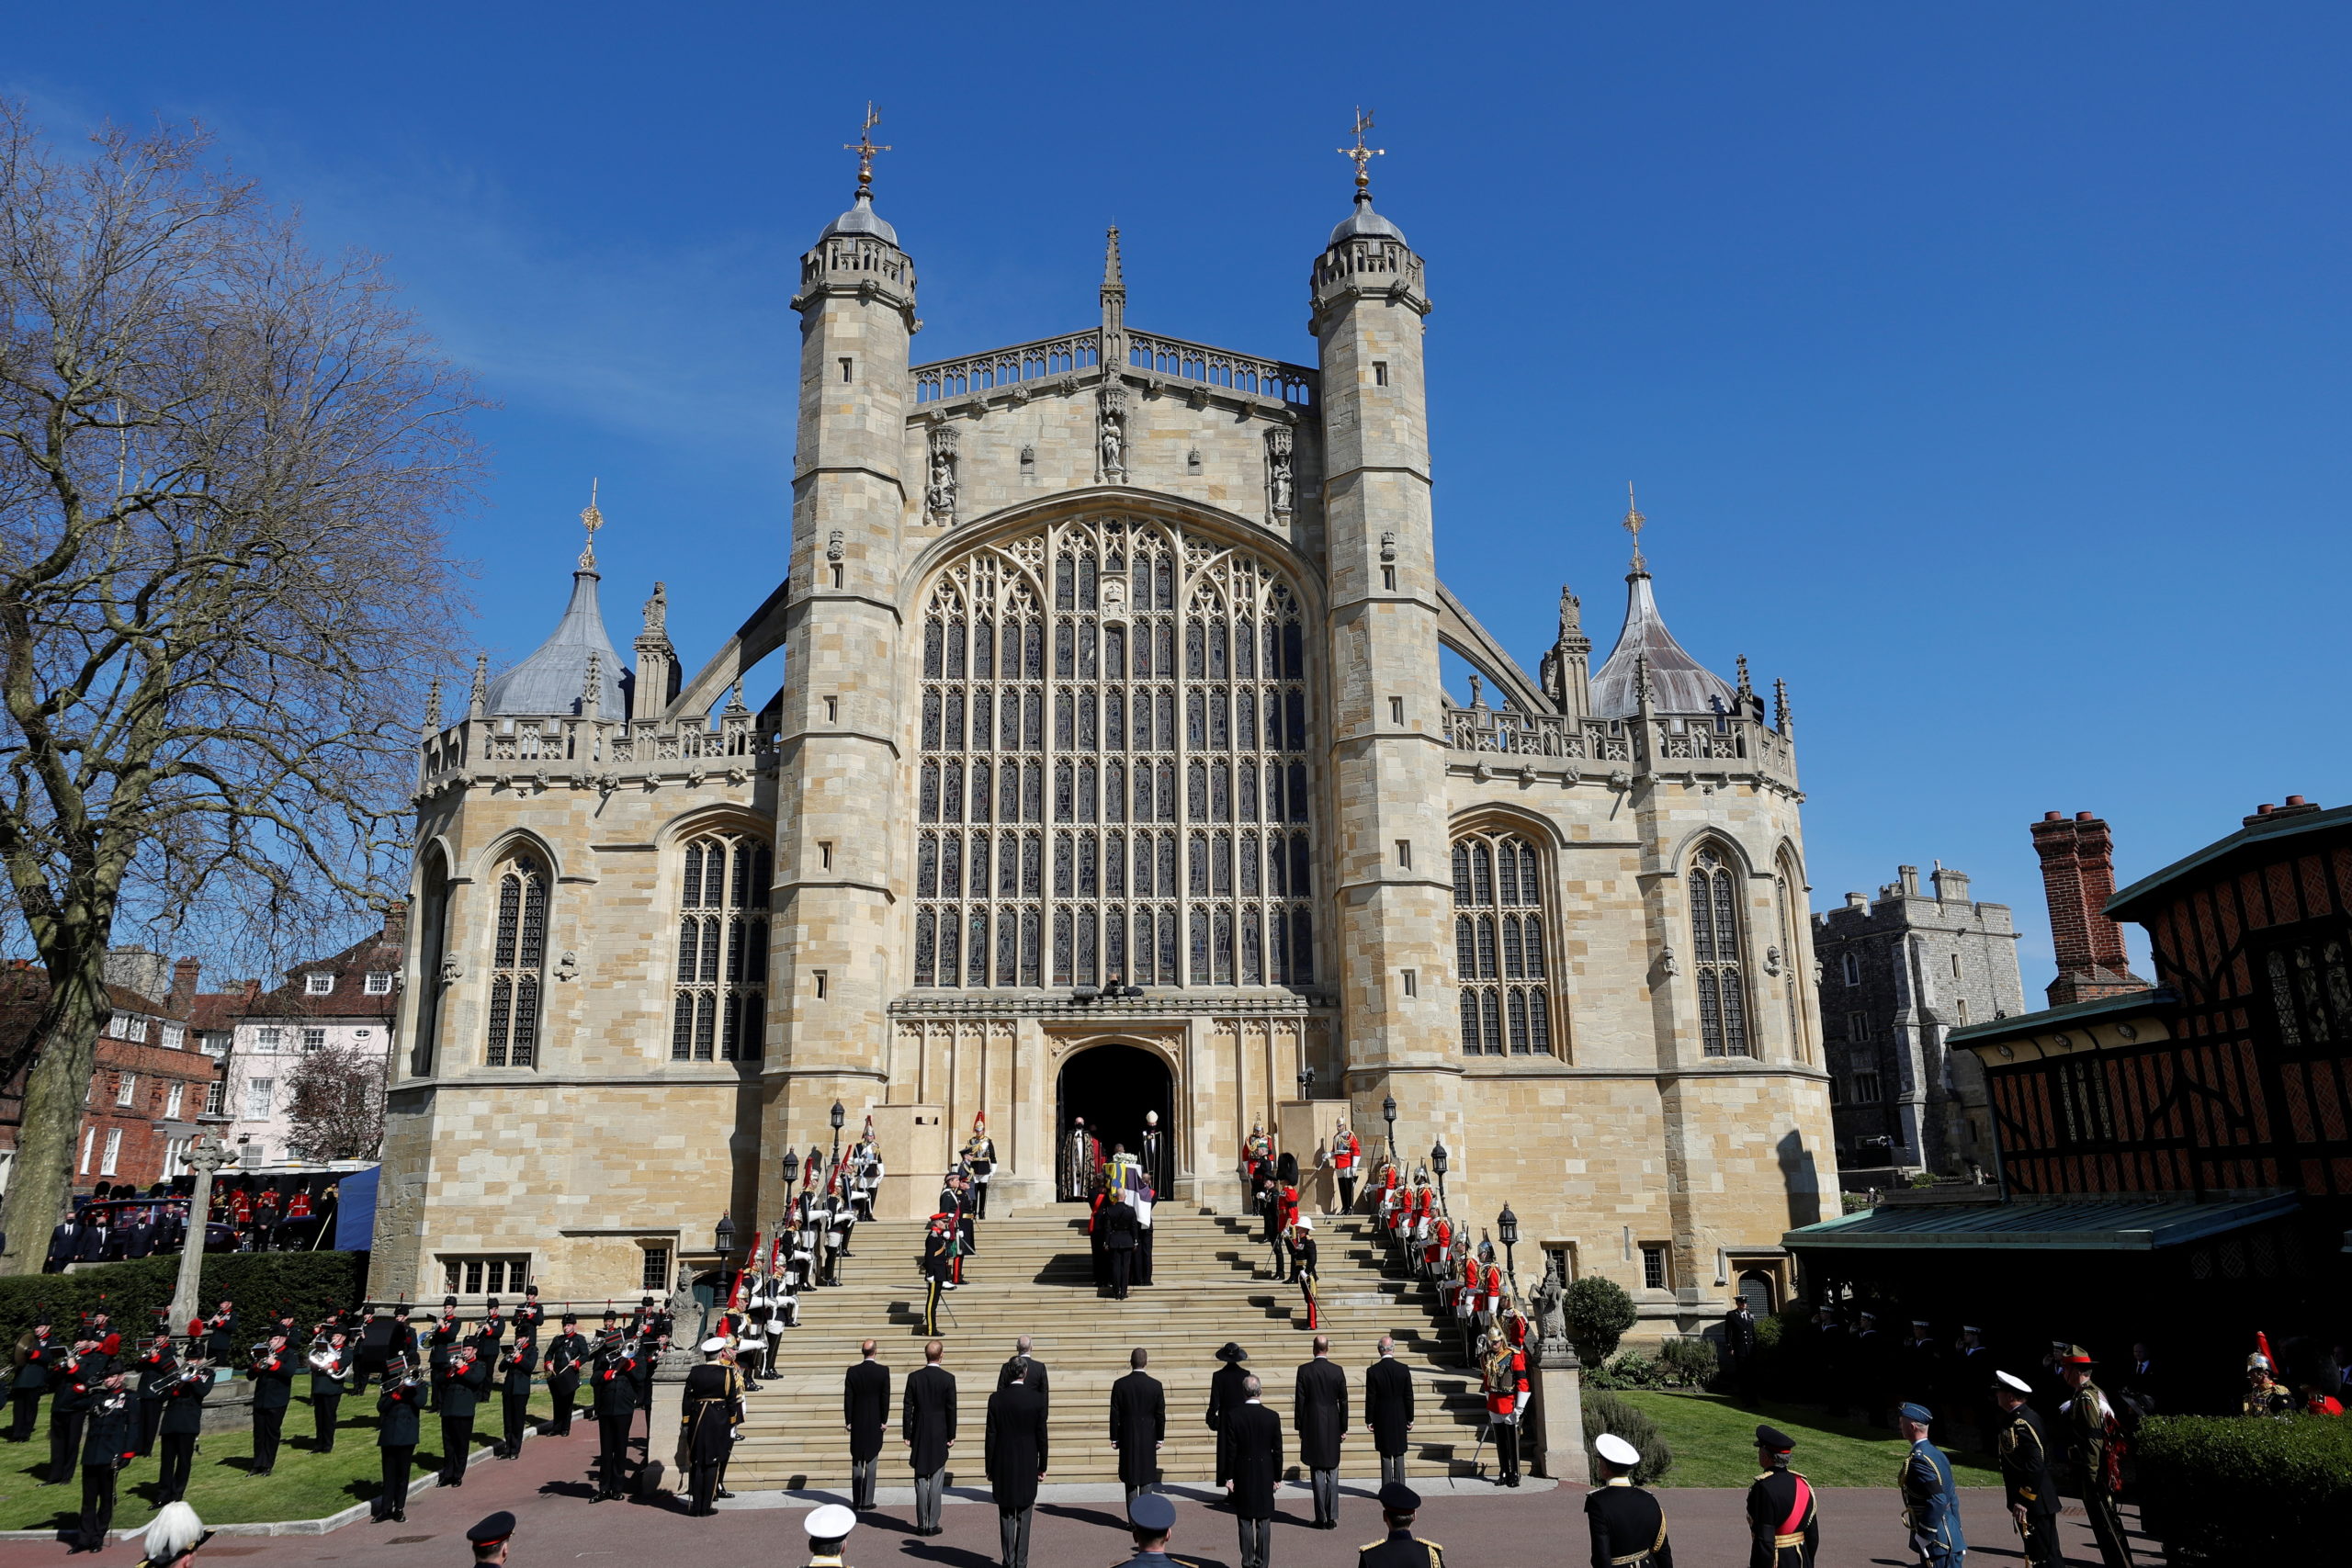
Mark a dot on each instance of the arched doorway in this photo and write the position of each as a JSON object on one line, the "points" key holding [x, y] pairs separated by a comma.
{"points": [[1112, 1087]]}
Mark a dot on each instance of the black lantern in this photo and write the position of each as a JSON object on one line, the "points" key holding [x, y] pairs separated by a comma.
{"points": [[1306, 1083], [1388, 1114], [791, 1168], [724, 1235], [1507, 1226], [839, 1117], [1439, 1159]]}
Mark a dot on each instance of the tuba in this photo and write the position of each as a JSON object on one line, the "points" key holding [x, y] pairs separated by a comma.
{"points": [[326, 1361]]}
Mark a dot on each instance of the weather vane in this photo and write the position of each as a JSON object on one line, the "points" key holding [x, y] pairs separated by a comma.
{"points": [[866, 147], [1632, 525], [1362, 154], [592, 520]]}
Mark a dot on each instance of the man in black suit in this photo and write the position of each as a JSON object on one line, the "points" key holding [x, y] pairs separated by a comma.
{"points": [[927, 1423], [1388, 1410], [1320, 1415], [1739, 1347], [1013, 1454], [1249, 1466], [1026, 1367], [865, 1415], [1138, 1424], [65, 1246], [1117, 1228], [1225, 1384]]}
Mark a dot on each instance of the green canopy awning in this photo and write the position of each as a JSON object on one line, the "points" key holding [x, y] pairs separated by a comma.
{"points": [[2055, 1225]]}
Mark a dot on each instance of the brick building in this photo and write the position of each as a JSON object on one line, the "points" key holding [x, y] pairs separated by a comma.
{"points": [[347, 1000], [1897, 976], [149, 1082]]}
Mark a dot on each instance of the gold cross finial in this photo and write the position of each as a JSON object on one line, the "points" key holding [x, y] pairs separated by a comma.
{"points": [[592, 520], [1632, 525], [1363, 156], [866, 147]]}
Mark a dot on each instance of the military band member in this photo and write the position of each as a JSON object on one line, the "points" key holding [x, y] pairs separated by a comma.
{"points": [[272, 1379], [489, 1540], [441, 1339], [2024, 1452], [1627, 1524], [1400, 1547], [613, 1399], [398, 1429], [183, 1419], [1784, 1530], [2096, 1438], [567, 1356], [111, 1436], [515, 1369], [329, 1362], [157, 1369], [461, 1395], [40, 1359], [1930, 1497]]}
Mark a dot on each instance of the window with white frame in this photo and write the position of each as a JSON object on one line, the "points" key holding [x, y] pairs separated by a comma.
{"points": [[216, 1097], [89, 1141], [518, 955], [1499, 941], [260, 1096], [378, 983], [485, 1276], [214, 1042], [113, 1156], [719, 1011], [318, 985], [175, 1152], [1718, 945], [314, 1040], [173, 1102], [127, 1026], [126, 1088], [267, 1038], [175, 1037]]}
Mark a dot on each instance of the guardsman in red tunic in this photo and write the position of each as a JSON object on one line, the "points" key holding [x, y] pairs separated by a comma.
{"points": [[1345, 1152], [1503, 1375], [1784, 1530]]}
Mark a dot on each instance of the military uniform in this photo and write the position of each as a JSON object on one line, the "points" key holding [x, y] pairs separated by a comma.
{"points": [[938, 1249], [1932, 1505], [396, 1430], [567, 1354], [2024, 1451], [1505, 1377], [2093, 1434], [613, 1400], [1628, 1526], [1400, 1547], [1783, 1525]]}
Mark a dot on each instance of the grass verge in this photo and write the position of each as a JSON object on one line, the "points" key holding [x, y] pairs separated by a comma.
{"points": [[1713, 1439]]}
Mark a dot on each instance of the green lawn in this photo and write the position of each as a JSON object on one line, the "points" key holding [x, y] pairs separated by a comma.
{"points": [[305, 1485], [1713, 1439]]}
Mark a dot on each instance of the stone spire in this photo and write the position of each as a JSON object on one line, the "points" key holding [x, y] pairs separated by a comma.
{"points": [[1565, 670], [657, 662], [1113, 298]]}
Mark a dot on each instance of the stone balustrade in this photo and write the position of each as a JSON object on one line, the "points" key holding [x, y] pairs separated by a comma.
{"points": [[591, 752]]}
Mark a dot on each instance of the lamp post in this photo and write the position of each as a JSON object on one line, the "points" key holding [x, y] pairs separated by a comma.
{"points": [[206, 1156], [791, 1176], [839, 1116], [1388, 1113], [1306, 1083], [1438, 1158], [1507, 1227]]}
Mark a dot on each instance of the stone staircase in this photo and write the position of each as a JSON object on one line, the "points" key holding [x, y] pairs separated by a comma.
{"points": [[1032, 1275]]}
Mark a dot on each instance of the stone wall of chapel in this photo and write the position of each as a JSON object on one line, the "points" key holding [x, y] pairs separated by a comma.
{"points": [[1164, 430], [605, 1133]]}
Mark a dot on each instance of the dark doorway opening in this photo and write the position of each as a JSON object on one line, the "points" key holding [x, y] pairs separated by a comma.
{"points": [[1112, 1087]]}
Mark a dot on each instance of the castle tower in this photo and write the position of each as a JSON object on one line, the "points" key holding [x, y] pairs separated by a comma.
{"points": [[832, 956], [1391, 902]]}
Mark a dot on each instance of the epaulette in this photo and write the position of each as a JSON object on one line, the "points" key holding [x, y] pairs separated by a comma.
{"points": [[1437, 1553], [1367, 1546]]}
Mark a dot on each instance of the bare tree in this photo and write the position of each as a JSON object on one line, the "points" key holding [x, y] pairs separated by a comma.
{"points": [[223, 580], [337, 1105]]}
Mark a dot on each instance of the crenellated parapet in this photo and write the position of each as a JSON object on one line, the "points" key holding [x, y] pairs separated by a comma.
{"points": [[562, 752]]}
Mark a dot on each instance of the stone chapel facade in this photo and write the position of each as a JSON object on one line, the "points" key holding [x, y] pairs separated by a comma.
{"points": [[1112, 770]]}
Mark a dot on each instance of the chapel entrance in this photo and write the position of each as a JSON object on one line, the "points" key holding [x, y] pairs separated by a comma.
{"points": [[1112, 1086]]}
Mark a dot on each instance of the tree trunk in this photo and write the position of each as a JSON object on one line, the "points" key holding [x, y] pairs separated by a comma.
{"points": [[43, 1182]]}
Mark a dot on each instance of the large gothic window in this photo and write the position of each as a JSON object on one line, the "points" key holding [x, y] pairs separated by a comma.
{"points": [[1500, 941], [1715, 940], [518, 959], [1114, 778], [720, 1007]]}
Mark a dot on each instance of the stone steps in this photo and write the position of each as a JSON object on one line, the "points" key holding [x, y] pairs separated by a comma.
{"points": [[1032, 1275]]}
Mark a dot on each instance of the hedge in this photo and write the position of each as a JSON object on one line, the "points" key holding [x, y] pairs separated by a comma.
{"points": [[2222, 1492], [309, 1285], [1604, 1412]]}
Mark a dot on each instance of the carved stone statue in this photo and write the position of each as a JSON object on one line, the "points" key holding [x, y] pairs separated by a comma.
{"points": [[939, 496], [1547, 1304], [657, 609], [1110, 436], [1571, 615], [1278, 471]]}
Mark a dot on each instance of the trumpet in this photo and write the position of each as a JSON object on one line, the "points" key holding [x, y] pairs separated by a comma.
{"points": [[189, 1376]]}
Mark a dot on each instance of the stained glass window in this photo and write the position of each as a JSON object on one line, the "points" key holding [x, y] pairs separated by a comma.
{"points": [[1500, 939], [518, 963], [719, 1007]]}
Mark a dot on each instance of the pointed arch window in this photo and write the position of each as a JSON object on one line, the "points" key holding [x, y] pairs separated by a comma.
{"points": [[518, 963], [1156, 830], [1715, 940], [1502, 946], [718, 1006]]}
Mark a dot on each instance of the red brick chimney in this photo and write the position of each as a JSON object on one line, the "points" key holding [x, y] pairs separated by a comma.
{"points": [[2079, 877], [184, 975]]}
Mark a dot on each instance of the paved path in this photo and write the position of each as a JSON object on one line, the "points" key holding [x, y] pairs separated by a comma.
{"points": [[1539, 1527]]}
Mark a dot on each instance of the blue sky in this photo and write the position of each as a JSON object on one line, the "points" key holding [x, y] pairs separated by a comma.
{"points": [[1982, 367]]}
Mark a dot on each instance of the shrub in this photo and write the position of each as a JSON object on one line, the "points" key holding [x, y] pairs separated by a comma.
{"points": [[1605, 1412], [1687, 1363], [2229, 1492], [1598, 1312], [1628, 1369], [1855, 1203], [308, 1284]]}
